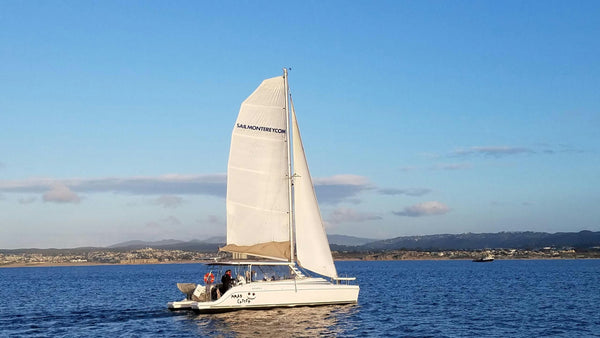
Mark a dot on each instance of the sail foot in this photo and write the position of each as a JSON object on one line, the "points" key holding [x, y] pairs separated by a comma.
{"points": [[272, 250]]}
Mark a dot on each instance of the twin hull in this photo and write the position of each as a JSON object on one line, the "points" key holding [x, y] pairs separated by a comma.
{"points": [[283, 293]]}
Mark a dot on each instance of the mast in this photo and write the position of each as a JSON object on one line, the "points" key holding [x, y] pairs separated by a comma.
{"points": [[289, 152]]}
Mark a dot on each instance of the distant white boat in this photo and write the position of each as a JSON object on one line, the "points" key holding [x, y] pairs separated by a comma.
{"points": [[486, 258], [272, 215]]}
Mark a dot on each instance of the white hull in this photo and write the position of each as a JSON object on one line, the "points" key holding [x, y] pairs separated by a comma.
{"points": [[282, 293], [181, 305]]}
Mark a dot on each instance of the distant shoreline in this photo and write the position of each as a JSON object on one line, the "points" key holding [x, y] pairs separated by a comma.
{"points": [[47, 265]]}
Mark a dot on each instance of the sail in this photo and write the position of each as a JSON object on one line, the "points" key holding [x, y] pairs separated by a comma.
{"points": [[312, 246], [257, 175]]}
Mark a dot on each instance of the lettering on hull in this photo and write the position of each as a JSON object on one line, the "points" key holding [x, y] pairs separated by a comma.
{"points": [[244, 298]]}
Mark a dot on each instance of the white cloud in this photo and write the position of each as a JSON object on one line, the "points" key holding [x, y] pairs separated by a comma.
{"points": [[215, 221], [342, 180], [27, 200], [163, 224], [168, 227], [493, 151], [451, 166], [169, 201], [409, 191], [501, 151], [60, 193], [167, 184], [439, 166], [342, 215], [560, 148], [408, 168], [153, 226], [330, 190], [511, 204], [340, 188], [171, 220], [424, 209]]}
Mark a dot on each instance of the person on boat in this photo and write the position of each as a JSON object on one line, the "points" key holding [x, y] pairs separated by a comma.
{"points": [[250, 276], [226, 282]]}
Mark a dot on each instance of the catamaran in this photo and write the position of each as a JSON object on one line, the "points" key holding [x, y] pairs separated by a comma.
{"points": [[275, 233]]}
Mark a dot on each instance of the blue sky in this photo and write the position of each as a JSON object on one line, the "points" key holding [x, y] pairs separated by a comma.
{"points": [[418, 117]]}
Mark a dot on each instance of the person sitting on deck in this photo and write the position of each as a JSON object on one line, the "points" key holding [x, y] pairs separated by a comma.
{"points": [[226, 282]]}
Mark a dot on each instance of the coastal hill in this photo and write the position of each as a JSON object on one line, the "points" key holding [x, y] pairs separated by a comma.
{"points": [[472, 241], [349, 240], [213, 243], [171, 244], [503, 245], [468, 241]]}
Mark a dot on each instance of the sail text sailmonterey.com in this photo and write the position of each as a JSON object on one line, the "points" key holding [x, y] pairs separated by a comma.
{"points": [[268, 129]]}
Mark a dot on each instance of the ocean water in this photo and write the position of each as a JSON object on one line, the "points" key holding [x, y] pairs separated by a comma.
{"points": [[528, 298]]}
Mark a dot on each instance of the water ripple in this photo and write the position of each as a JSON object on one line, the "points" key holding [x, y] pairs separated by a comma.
{"points": [[415, 299]]}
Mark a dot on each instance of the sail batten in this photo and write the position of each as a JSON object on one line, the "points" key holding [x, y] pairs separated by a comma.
{"points": [[257, 208]]}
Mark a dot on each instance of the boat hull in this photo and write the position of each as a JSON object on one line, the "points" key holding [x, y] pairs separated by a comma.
{"points": [[272, 294], [180, 305]]}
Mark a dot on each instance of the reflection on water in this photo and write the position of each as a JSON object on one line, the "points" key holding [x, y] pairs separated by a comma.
{"points": [[316, 321]]}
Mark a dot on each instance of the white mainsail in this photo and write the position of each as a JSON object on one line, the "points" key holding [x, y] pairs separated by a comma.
{"points": [[258, 185], [312, 246], [257, 175]]}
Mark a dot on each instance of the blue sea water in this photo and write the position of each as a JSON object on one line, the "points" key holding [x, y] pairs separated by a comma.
{"points": [[527, 298]]}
